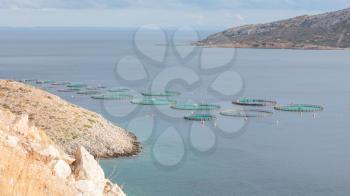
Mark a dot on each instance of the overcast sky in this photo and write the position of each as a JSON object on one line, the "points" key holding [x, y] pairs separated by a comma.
{"points": [[166, 13]]}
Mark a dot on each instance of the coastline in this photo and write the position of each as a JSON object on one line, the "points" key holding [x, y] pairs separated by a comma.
{"points": [[68, 125], [274, 46]]}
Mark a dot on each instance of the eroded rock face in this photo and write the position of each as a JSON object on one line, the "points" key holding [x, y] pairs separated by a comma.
{"points": [[62, 169], [21, 124], [87, 188], [86, 167], [29, 141]]}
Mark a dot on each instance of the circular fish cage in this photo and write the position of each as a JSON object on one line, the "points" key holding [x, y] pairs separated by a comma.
{"points": [[299, 108], [254, 102], [118, 90], [246, 113], [88, 92], [153, 101], [76, 85], [44, 82], [113, 97], [60, 83], [161, 94], [69, 90], [96, 87], [200, 117], [195, 107]]}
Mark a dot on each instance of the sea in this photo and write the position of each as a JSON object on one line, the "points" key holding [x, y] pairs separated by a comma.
{"points": [[284, 153]]}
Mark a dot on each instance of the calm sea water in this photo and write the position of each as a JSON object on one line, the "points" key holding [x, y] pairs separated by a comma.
{"points": [[285, 154]]}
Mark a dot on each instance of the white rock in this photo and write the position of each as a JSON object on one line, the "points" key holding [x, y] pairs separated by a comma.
{"points": [[113, 189], [49, 153], [87, 188], [86, 167], [11, 141], [34, 133], [68, 159], [62, 169], [21, 124]]}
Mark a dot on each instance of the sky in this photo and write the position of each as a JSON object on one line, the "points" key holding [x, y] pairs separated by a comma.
{"points": [[165, 13]]}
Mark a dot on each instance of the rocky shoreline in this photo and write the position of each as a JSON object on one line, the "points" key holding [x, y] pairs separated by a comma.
{"points": [[328, 31], [68, 125]]}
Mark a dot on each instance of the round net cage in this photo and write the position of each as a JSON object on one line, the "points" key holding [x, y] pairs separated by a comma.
{"points": [[96, 87], [60, 83], [78, 85], [195, 107], [67, 90], [246, 113], [88, 92], [161, 94], [153, 101], [254, 102], [200, 117], [118, 90], [113, 97], [44, 82], [299, 108]]}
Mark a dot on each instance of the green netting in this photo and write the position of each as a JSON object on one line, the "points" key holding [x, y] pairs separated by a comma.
{"points": [[77, 85], [44, 81], [200, 117], [113, 96], [69, 90], [118, 90], [96, 87], [299, 108], [246, 113], [60, 83], [254, 102], [153, 101], [195, 107], [88, 92], [161, 94]]}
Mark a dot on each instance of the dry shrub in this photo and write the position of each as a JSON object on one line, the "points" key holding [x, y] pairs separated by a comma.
{"points": [[23, 175]]}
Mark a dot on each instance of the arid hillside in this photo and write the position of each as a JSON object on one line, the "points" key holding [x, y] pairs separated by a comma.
{"points": [[68, 125]]}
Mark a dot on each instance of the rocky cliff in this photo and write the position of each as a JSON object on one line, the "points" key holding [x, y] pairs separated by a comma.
{"points": [[31, 164], [324, 31], [68, 125]]}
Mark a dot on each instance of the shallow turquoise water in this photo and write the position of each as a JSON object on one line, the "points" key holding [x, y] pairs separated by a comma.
{"points": [[286, 154]]}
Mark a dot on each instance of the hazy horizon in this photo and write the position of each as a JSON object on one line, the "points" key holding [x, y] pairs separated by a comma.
{"points": [[168, 14]]}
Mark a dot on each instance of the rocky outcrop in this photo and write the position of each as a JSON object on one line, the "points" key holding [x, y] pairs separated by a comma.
{"points": [[27, 152], [324, 31], [68, 125]]}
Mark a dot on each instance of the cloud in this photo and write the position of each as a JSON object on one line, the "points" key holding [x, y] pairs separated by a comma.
{"points": [[171, 4]]}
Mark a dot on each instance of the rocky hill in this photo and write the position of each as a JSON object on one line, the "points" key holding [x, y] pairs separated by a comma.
{"points": [[31, 164], [68, 125], [324, 31]]}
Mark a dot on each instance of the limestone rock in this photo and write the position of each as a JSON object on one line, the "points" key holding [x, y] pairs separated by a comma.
{"points": [[87, 168], [62, 169], [49, 153], [11, 141], [113, 189], [87, 188], [34, 134], [21, 124]]}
